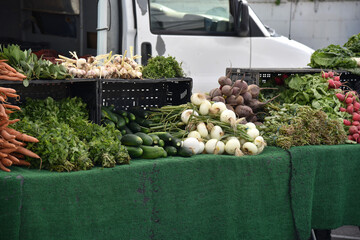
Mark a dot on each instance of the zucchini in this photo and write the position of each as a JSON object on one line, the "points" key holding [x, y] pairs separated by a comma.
{"points": [[139, 112], [176, 142], [123, 131], [131, 116], [134, 127], [147, 140], [121, 122], [143, 122], [161, 143], [145, 129], [131, 140], [127, 130], [171, 150], [109, 115], [122, 113], [126, 120], [134, 152], [165, 136], [152, 152], [108, 122], [184, 152], [155, 138]]}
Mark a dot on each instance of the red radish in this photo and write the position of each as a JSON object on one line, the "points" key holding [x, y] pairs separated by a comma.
{"points": [[330, 74], [337, 78], [356, 106], [356, 136], [355, 123], [356, 117], [347, 122], [337, 84], [350, 109], [353, 130], [342, 109], [331, 83], [350, 137], [325, 75], [349, 100], [358, 127], [340, 96]]}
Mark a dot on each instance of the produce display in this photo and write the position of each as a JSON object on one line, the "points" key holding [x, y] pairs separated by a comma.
{"points": [[162, 67], [103, 66], [337, 57], [67, 140]]}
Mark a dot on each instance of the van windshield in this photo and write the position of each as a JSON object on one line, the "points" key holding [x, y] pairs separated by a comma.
{"points": [[191, 17]]}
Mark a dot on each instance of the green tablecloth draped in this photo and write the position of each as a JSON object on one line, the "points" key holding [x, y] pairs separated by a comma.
{"points": [[202, 197], [325, 187]]}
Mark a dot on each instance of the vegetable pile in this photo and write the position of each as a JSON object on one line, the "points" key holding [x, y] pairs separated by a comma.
{"points": [[68, 141], [103, 66], [208, 127], [297, 125], [12, 142], [28, 64], [162, 67], [9, 73], [337, 57], [137, 139], [239, 97]]}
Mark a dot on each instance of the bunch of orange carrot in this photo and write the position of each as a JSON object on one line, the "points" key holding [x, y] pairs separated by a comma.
{"points": [[9, 73], [12, 142]]}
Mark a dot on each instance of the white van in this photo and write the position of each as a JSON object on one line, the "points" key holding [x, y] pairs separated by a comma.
{"points": [[207, 36]]}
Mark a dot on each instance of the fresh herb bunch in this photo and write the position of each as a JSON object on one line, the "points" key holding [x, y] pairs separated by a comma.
{"points": [[30, 65], [333, 57], [163, 67], [67, 140], [295, 125]]}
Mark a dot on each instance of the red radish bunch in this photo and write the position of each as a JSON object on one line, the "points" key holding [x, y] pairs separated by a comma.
{"points": [[351, 103], [333, 79]]}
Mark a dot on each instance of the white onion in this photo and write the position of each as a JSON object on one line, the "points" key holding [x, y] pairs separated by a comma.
{"points": [[217, 108], [216, 132], [227, 116], [259, 141], [205, 107], [249, 148], [202, 129], [192, 144], [214, 146], [238, 152], [201, 147], [185, 115], [250, 125], [253, 133], [197, 98], [194, 134], [232, 145]]}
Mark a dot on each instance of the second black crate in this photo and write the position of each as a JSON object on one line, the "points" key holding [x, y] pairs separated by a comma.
{"points": [[147, 93]]}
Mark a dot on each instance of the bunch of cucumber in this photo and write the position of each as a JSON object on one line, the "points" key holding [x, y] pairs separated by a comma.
{"points": [[140, 142]]}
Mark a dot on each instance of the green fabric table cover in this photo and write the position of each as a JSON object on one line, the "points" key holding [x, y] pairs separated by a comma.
{"points": [[325, 187], [202, 197]]}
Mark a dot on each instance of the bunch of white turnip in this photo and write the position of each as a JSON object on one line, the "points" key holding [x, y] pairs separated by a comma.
{"points": [[239, 97], [215, 129], [106, 66]]}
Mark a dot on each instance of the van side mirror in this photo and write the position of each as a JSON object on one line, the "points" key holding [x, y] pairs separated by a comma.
{"points": [[243, 23]]}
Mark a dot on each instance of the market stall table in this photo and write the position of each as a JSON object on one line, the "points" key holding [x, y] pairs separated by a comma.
{"points": [[202, 197]]}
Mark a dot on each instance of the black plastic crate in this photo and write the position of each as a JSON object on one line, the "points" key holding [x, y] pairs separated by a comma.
{"points": [[124, 94], [262, 75], [87, 89]]}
